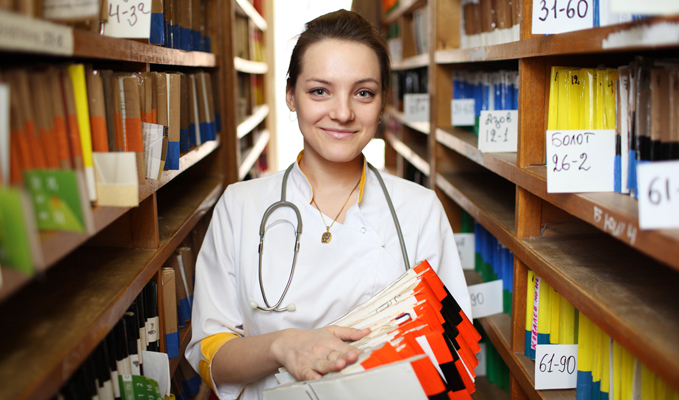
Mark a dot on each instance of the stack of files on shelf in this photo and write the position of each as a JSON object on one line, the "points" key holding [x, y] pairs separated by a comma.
{"points": [[74, 136], [494, 261], [639, 101], [420, 29], [490, 91], [483, 24], [605, 369], [417, 326]]}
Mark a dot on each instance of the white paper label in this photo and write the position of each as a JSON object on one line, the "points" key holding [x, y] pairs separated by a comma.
{"points": [[498, 131], [556, 366], [466, 249], [658, 184], [486, 298], [71, 9], [129, 19], [580, 161], [462, 112], [4, 134], [416, 107], [559, 16], [21, 33]]}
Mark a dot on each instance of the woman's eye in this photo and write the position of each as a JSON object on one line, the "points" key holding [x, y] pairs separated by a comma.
{"points": [[365, 93], [317, 92]]}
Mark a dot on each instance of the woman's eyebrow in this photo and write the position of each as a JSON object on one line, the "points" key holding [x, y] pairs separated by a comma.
{"points": [[358, 82]]}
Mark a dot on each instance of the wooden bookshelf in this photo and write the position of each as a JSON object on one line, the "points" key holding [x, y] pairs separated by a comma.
{"points": [[251, 156], [247, 126], [250, 67], [587, 245]]}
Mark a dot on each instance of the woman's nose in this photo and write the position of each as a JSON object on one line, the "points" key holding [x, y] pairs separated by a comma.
{"points": [[342, 110]]}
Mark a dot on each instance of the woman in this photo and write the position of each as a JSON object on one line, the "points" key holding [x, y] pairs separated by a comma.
{"points": [[337, 83]]}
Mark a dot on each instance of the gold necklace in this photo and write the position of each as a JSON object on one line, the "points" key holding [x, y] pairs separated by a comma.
{"points": [[326, 237]]}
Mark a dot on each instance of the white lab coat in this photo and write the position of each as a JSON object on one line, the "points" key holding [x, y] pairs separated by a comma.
{"points": [[330, 279]]}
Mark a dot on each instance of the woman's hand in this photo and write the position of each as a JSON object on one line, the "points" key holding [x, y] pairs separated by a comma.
{"points": [[310, 354]]}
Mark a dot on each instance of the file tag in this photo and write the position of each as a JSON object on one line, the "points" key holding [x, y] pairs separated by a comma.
{"points": [[28, 34], [462, 112], [556, 366], [580, 161], [498, 131], [129, 19], [658, 184], [559, 16], [486, 298], [416, 107], [466, 249]]}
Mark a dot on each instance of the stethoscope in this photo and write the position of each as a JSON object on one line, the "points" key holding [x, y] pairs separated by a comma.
{"points": [[283, 203]]}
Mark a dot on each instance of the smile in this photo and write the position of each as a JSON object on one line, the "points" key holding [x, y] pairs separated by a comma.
{"points": [[339, 133]]}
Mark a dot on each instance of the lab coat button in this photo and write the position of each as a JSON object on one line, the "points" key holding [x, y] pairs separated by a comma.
{"points": [[363, 229]]}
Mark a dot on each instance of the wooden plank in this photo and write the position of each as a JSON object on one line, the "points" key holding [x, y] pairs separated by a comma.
{"points": [[250, 67], [488, 391], [249, 10], [251, 122], [625, 293], [184, 339], [403, 7], [447, 15], [532, 118], [94, 46], [251, 156], [414, 153], [588, 41], [526, 378], [613, 213], [55, 326], [418, 61]]}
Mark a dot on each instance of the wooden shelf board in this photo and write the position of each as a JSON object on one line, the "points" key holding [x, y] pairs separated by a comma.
{"points": [[251, 156], [588, 41], [489, 199], [418, 61], [92, 45], [415, 154], [612, 213], [422, 127], [403, 7], [184, 339], [249, 11], [65, 315], [56, 244], [627, 294], [250, 67], [252, 121], [488, 391], [527, 371]]}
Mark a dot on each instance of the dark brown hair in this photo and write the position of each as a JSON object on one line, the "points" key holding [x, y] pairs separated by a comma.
{"points": [[340, 25]]}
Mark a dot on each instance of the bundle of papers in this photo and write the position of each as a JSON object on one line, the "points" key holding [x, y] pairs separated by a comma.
{"points": [[421, 345]]}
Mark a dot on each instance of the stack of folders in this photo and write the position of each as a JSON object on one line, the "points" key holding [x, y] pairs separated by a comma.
{"points": [[419, 27], [490, 90], [489, 22], [640, 101], [76, 136], [179, 24], [418, 330], [408, 82], [494, 261], [605, 369]]}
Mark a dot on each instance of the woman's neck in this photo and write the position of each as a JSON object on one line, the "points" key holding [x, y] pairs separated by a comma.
{"points": [[327, 176]]}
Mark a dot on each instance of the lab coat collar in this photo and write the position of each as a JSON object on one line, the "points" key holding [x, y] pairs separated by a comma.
{"points": [[304, 186]]}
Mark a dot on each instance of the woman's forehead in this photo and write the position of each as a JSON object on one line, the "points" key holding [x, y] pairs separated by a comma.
{"points": [[333, 59]]}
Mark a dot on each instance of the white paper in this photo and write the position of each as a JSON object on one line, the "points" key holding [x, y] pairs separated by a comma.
{"points": [[152, 136], [580, 161], [486, 298], [416, 107], [4, 132], [498, 131], [556, 366], [21, 33], [129, 19], [424, 343], [71, 9], [466, 248], [559, 16], [157, 367], [462, 112], [396, 381], [658, 184], [480, 369], [646, 7], [116, 179]]}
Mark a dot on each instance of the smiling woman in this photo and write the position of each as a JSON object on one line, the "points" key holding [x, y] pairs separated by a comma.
{"points": [[351, 244]]}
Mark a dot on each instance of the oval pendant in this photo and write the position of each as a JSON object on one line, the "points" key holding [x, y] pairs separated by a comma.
{"points": [[326, 237]]}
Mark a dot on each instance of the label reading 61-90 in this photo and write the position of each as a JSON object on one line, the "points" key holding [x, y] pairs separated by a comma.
{"points": [[556, 366]]}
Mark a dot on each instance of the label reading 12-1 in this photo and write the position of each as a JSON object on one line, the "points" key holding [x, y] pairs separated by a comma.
{"points": [[559, 16], [498, 131], [556, 366]]}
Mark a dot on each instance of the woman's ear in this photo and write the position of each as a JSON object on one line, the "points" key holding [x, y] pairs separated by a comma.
{"points": [[290, 98]]}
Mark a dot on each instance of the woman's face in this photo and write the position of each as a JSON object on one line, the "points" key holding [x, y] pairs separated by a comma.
{"points": [[337, 98]]}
